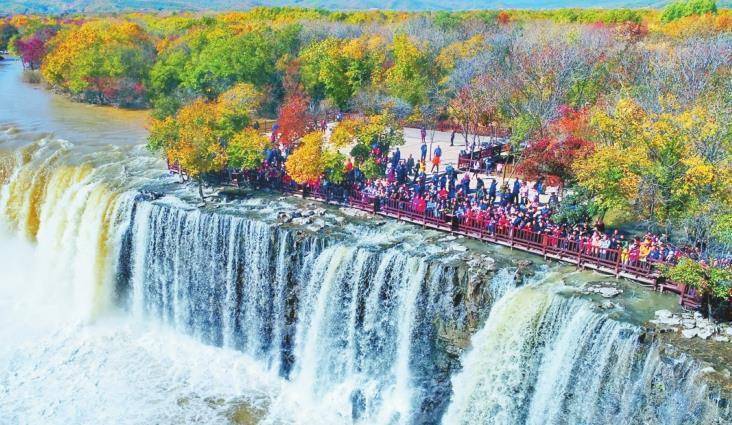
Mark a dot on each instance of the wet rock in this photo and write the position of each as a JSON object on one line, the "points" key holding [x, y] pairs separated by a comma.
{"points": [[604, 289], [606, 305], [524, 269], [352, 212], [689, 333], [663, 314], [688, 323], [721, 338], [668, 321], [301, 221], [284, 217], [704, 333], [148, 195]]}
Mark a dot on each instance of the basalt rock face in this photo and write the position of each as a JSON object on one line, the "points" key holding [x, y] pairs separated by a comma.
{"points": [[345, 319]]}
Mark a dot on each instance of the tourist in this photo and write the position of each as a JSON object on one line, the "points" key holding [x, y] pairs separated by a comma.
{"points": [[436, 160]]}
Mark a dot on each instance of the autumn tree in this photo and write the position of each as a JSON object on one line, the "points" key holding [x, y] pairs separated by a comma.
{"points": [[7, 33], [337, 69], [553, 156], [104, 61], [659, 163], [305, 164], [207, 60], [235, 108], [294, 119], [246, 149], [409, 77], [31, 46], [197, 148], [683, 8]]}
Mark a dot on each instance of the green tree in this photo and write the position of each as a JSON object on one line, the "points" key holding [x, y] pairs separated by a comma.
{"points": [[409, 77], [246, 149], [683, 8]]}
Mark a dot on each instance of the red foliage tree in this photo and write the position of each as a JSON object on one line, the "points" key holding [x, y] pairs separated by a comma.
{"points": [[294, 119], [552, 156], [31, 51], [32, 48], [503, 17]]}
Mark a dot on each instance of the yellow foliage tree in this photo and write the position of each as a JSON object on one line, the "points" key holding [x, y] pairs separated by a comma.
{"points": [[305, 164], [344, 133], [668, 165], [197, 148]]}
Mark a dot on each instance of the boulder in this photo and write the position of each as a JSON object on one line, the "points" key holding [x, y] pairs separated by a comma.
{"points": [[352, 212], [284, 216], [301, 221], [604, 289], [663, 314], [689, 333], [606, 305], [704, 333], [688, 323], [610, 292]]}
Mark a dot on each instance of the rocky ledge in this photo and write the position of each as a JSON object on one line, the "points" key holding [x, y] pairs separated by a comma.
{"points": [[691, 325]]}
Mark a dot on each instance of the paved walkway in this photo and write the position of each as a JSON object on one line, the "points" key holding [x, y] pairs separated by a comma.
{"points": [[413, 142]]}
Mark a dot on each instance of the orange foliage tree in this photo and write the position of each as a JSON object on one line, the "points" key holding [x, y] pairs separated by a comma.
{"points": [[294, 119]]}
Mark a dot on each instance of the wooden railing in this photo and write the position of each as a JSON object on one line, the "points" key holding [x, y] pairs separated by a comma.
{"points": [[604, 260], [476, 159]]}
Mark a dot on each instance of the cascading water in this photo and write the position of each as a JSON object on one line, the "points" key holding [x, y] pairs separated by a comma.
{"points": [[338, 319], [353, 326], [543, 358]]}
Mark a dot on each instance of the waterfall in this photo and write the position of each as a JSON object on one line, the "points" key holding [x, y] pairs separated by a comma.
{"points": [[544, 358], [368, 332], [342, 321]]}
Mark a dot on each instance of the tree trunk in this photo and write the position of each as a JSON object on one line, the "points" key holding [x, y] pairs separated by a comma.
{"points": [[200, 190]]}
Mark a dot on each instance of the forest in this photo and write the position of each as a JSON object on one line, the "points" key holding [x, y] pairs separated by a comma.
{"points": [[627, 108]]}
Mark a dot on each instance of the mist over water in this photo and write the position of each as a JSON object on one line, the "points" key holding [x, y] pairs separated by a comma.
{"points": [[119, 308]]}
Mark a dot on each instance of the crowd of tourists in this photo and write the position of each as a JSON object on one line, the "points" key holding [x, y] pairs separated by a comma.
{"points": [[517, 205], [483, 201]]}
